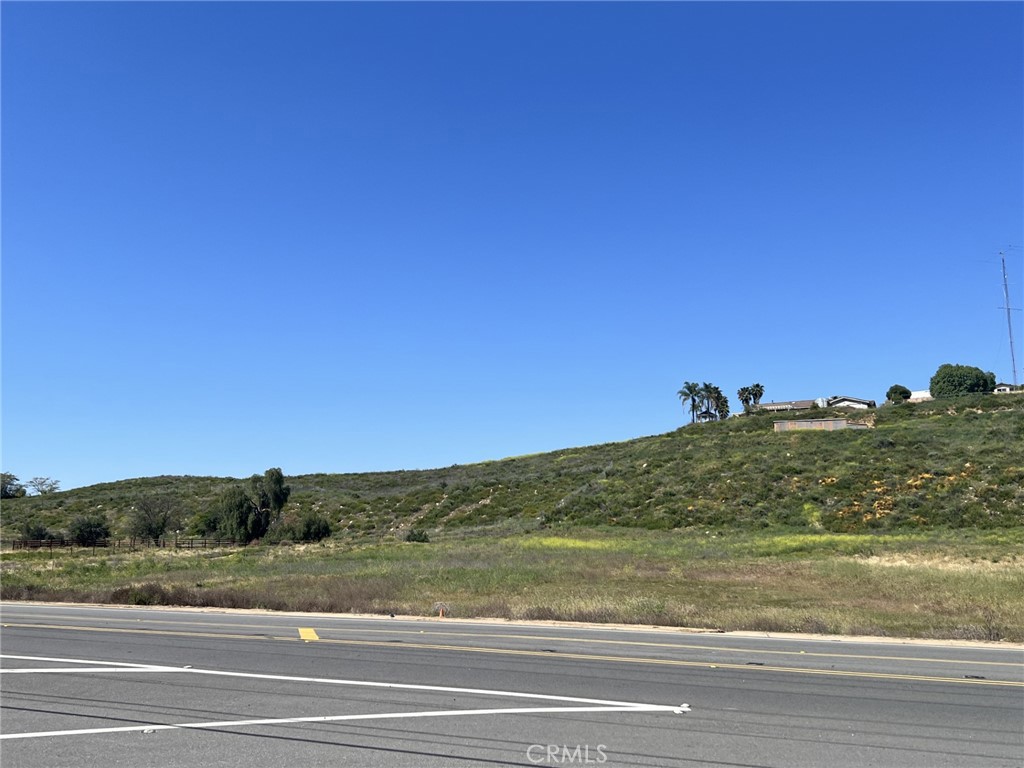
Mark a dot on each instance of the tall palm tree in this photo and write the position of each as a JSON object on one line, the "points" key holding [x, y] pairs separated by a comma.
{"points": [[707, 399], [690, 393], [720, 403], [757, 391], [746, 397]]}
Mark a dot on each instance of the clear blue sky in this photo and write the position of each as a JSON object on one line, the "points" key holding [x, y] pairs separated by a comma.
{"points": [[338, 237]]}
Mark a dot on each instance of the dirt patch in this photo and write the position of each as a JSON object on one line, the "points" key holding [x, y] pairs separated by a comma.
{"points": [[943, 562]]}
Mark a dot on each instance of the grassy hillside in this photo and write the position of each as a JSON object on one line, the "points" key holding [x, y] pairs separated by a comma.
{"points": [[911, 528], [950, 464]]}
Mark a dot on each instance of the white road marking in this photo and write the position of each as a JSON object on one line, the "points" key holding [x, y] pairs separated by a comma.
{"points": [[86, 661], [593, 705], [336, 718], [72, 670]]}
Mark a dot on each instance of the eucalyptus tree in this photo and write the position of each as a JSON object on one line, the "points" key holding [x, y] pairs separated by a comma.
{"points": [[268, 493]]}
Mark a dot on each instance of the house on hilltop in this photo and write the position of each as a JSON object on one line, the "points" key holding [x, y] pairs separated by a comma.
{"points": [[836, 401], [845, 401], [785, 405]]}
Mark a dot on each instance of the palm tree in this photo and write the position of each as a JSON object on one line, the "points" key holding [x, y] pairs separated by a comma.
{"points": [[746, 397], [757, 391], [707, 400], [720, 403], [690, 393]]}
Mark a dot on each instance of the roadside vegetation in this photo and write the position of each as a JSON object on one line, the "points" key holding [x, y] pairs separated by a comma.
{"points": [[913, 527], [940, 584]]}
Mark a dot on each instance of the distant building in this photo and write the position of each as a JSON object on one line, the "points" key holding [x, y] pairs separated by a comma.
{"points": [[785, 405], [1006, 389], [845, 401], [919, 396], [836, 401]]}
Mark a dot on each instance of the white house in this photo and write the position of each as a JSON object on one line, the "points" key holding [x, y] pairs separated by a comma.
{"points": [[845, 401]]}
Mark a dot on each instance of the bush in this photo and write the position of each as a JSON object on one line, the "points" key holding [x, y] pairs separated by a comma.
{"points": [[417, 535], [313, 527], [31, 531], [89, 530], [898, 393]]}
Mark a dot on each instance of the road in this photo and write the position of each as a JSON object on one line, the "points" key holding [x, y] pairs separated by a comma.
{"points": [[103, 686]]}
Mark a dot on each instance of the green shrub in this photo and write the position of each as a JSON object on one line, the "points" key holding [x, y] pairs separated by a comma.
{"points": [[89, 530], [313, 527], [33, 531]]}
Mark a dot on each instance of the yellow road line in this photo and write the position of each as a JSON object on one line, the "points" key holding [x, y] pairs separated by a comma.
{"points": [[545, 654], [678, 662], [603, 641], [683, 646], [306, 633]]}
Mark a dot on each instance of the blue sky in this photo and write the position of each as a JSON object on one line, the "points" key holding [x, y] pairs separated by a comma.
{"points": [[338, 237]]}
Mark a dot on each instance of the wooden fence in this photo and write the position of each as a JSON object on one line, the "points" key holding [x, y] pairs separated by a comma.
{"points": [[58, 545]]}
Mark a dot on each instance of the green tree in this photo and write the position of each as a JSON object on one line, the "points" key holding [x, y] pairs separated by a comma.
{"points": [[719, 403], [10, 487], [43, 485], [897, 393], [206, 521], [238, 517], [268, 493], [151, 517], [750, 396], [712, 404], [955, 380], [706, 395], [89, 530], [245, 512], [746, 398], [690, 393]]}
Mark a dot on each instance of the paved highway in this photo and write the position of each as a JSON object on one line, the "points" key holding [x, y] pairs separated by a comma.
{"points": [[99, 686]]}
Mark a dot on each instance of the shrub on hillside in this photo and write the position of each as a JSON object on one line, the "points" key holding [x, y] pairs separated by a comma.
{"points": [[89, 530], [312, 527], [33, 531]]}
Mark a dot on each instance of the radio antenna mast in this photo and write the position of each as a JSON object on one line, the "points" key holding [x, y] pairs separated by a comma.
{"points": [[1009, 319]]}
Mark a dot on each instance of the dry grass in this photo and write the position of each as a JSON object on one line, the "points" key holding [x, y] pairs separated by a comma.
{"points": [[939, 585]]}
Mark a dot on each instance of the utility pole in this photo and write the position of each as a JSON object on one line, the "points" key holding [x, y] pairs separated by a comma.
{"points": [[1009, 318]]}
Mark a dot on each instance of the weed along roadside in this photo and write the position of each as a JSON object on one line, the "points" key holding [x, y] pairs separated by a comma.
{"points": [[954, 585], [913, 528]]}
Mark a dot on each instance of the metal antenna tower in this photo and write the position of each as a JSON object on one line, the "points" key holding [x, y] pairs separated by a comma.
{"points": [[1009, 319]]}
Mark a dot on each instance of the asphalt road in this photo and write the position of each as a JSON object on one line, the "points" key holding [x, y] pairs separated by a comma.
{"points": [[98, 686]]}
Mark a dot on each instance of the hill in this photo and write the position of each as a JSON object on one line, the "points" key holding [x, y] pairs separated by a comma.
{"points": [[945, 463]]}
